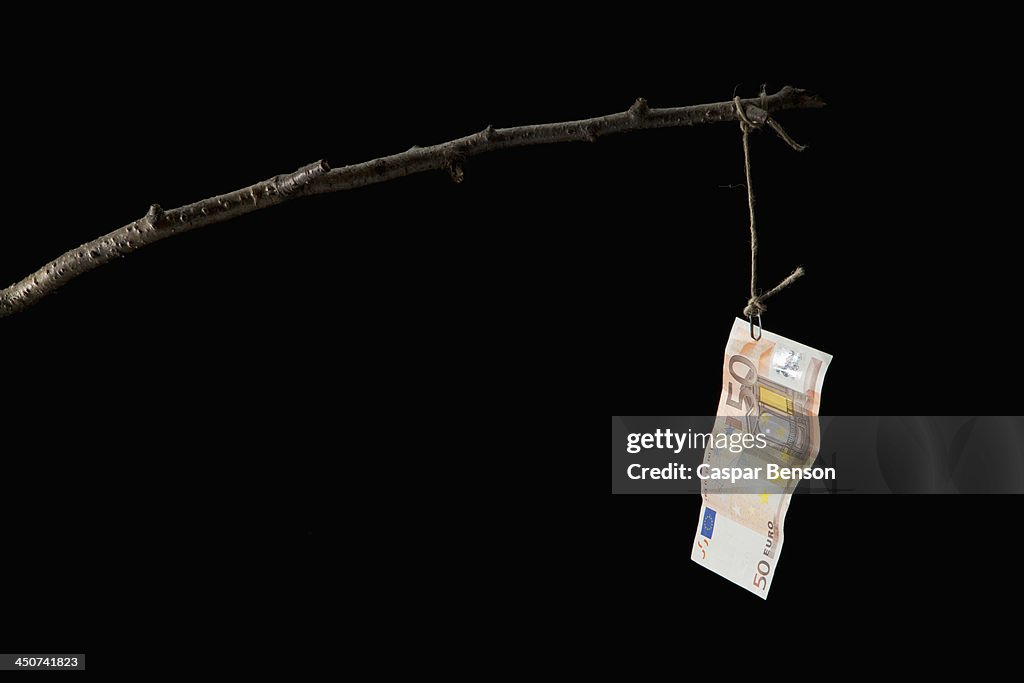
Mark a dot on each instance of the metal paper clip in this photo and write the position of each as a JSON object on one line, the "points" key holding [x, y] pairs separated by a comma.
{"points": [[751, 318]]}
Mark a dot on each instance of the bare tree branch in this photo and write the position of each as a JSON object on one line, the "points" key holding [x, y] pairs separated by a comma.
{"points": [[318, 178]]}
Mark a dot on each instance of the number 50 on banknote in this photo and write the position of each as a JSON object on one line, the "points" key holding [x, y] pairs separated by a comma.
{"points": [[770, 386]]}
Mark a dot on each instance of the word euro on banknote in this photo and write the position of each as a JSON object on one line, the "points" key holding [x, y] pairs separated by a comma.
{"points": [[770, 386]]}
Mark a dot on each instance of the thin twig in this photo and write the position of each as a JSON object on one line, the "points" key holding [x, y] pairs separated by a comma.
{"points": [[318, 178]]}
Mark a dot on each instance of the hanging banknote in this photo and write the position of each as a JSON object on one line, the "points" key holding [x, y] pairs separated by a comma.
{"points": [[770, 387]]}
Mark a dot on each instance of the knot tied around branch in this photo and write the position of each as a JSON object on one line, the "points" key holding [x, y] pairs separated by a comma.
{"points": [[753, 117]]}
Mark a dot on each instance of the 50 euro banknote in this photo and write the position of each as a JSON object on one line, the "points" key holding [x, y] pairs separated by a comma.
{"points": [[772, 387]]}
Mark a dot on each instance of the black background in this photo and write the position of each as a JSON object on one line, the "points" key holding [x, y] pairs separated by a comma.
{"points": [[252, 411]]}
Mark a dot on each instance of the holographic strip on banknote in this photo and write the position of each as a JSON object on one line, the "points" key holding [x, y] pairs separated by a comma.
{"points": [[770, 386]]}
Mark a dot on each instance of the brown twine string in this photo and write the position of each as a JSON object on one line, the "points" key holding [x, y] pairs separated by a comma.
{"points": [[755, 305]]}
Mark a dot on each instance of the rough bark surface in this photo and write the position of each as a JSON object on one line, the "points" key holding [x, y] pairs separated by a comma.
{"points": [[319, 178]]}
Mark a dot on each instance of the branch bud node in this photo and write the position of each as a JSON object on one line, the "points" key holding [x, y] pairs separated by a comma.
{"points": [[639, 108]]}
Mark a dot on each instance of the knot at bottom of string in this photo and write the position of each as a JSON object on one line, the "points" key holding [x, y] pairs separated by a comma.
{"points": [[754, 307]]}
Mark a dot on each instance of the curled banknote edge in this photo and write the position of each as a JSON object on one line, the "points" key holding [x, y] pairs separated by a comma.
{"points": [[770, 387]]}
